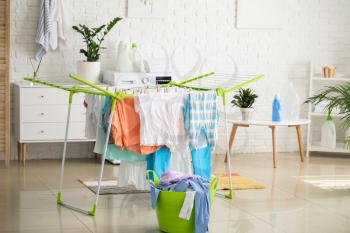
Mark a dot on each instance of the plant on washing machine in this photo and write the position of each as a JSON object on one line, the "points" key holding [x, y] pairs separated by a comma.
{"points": [[93, 38], [244, 100]]}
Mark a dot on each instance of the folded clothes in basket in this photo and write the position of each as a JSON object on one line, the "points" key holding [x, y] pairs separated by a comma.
{"points": [[201, 199]]}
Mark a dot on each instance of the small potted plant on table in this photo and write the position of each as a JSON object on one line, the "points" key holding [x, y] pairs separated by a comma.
{"points": [[244, 100], [93, 38]]}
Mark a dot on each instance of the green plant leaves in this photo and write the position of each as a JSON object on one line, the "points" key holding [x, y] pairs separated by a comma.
{"points": [[337, 97], [93, 38], [111, 24], [245, 98]]}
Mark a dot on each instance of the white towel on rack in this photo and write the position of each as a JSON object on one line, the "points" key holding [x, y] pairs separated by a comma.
{"points": [[59, 23], [93, 111], [44, 28], [133, 173], [181, 160]]}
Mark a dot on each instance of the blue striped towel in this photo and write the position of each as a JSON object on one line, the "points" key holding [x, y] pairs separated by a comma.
{"points": [[44, 28]]}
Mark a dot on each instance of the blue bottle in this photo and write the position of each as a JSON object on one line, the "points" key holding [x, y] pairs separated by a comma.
{"points": [[277, 109]]}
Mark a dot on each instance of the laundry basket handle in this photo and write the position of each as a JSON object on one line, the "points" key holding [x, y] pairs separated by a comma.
{"points": [[155, 179]]}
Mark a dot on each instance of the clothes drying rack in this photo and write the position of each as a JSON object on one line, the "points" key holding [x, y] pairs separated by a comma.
{"points": [[118, 96]]}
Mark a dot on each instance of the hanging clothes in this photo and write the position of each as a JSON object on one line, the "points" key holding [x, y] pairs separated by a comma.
{"points": [[159, 161], [106, 112], [116, 153], [44, 28], [161, 116], [201, 160], [102, 125], [93, 104], [133, 173], [181, 160], [201, 118], [126, 128]]}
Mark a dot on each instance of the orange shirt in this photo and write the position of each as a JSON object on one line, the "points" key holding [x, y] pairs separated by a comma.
{"points": [[126, 128]]}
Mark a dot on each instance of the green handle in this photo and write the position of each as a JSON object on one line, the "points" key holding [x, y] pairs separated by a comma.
{"points": [[156, 179]]}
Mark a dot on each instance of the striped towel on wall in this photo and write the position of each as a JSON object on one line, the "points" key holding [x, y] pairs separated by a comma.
{"points": [[44, 28]]}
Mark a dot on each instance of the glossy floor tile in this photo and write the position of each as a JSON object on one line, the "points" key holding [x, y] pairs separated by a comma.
{"points": [[310, 197]]}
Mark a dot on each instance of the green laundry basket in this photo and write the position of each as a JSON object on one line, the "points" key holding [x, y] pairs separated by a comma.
{"points": [[168, 208]]}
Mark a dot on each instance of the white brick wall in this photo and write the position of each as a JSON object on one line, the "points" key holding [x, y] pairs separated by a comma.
{"points": [[315, 30]]}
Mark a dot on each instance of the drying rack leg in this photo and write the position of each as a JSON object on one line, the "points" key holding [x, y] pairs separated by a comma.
{"points": [[228, 155], [92, 212], [59, 194]]}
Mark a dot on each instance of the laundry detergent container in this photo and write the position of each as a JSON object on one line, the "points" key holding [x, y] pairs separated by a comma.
{"points": [[168, 208]]}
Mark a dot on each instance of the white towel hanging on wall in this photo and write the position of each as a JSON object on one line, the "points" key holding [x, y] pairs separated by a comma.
{"points": [[59, 23], [44, 28]]}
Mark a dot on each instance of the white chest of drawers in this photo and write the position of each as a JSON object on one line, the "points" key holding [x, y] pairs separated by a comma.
{"points": [[40, 116]]}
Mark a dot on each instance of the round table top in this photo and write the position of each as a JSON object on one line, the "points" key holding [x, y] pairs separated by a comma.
{"points": [[270, 123]]}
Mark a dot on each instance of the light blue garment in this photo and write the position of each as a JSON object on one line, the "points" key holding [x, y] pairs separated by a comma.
{"points": [[201, 160], [277, 109], [44, 28], [201, 118], [159, 161], [116, 153], [102, 127], [201, 200], [106, 112]]}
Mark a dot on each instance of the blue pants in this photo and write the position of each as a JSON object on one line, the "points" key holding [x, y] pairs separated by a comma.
{"points": [[159, 161], [201, 160]]}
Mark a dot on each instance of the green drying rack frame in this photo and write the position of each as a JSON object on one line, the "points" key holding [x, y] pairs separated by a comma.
{"points": [[117, 96]]}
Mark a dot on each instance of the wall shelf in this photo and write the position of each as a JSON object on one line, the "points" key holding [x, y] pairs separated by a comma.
{"points": [[319, 114], [313, 144], [336, 79], [339, 148]]}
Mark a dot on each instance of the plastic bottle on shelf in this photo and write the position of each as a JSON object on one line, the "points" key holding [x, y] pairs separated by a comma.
{"points": [[124, 63], [328, 133], [291, 109], [277, 109], [137, 59]]}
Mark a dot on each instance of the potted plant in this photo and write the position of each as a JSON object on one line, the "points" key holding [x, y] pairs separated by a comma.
{"points": [[90, 68], [336, 97], [244, 100]]}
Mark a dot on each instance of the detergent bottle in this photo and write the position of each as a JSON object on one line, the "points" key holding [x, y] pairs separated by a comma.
{"points": [[328, 133], [291, 108], [124, 63], [137, 59], [277, 109]]}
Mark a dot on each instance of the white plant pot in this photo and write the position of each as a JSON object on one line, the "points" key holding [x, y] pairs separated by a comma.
{"points": [[89, 71], [247, 113]]}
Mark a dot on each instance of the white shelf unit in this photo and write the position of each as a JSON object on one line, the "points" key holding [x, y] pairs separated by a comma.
{"points": [[317, 80]]}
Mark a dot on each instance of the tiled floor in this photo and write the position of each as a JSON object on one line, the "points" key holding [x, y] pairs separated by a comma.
{"points": [[288, 204]]}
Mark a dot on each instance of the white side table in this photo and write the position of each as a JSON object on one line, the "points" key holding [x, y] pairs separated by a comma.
{"points": [[272, 125]]}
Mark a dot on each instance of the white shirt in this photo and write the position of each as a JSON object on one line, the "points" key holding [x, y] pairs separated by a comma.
{"points": [[161, 119]]}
